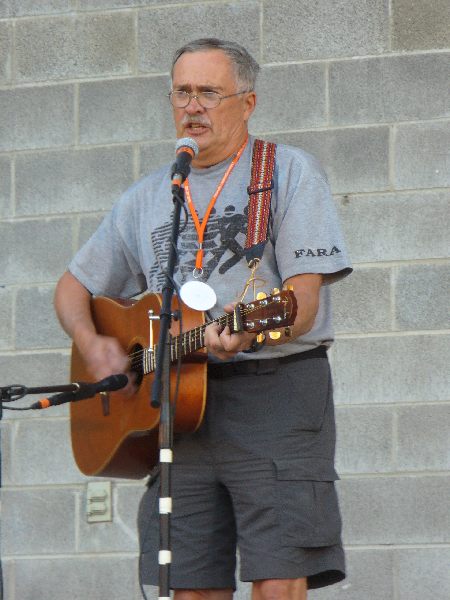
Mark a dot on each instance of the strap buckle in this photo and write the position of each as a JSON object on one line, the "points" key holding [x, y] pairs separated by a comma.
{"points": [[251, 191]]}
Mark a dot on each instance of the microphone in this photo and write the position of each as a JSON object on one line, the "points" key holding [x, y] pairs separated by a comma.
{"points": [[85, 390], [186, 150]]}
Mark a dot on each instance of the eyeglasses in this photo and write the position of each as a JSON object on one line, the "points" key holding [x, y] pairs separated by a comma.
{"points": [[180, 98]]}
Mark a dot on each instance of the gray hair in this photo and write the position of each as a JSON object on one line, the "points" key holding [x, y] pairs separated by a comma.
{"points": [[245, 66]]}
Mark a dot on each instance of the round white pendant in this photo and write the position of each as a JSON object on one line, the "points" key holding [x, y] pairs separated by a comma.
{"points": [[198, 295]]}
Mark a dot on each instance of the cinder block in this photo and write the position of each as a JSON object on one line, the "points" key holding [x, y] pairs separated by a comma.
{"points": [[299, 29], [421, 296], [87, 227], [5, 187], [391, 369], [8, 578], [103, 578], [36, 322], [423, 573], [422, 155], [362, 302], [153, 156], [68, 47], [72, 181], [290, 97], [36, 117], [420, 25], [126, 110], [364, 439], [162, 31], [423, 438], [6, 318], [21, 8], [119, 535], [395, 510], [369, 576], [6, 442], [40, 521], [34, 370], [5, 52], [356, 160], [389, 89], [42, 452], [34, 251], [403, 226]]}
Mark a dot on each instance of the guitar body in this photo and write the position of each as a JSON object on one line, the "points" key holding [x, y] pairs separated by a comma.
{"points": [[115, 435]]}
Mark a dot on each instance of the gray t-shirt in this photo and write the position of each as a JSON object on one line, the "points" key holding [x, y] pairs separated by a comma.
{"points": [[129, 251]]}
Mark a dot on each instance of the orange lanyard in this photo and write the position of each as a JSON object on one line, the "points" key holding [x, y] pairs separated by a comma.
{"points": [[202, 227]]}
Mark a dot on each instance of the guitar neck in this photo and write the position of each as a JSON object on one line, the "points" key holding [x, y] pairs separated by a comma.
{"points": [[278, 310], [184, 344]]}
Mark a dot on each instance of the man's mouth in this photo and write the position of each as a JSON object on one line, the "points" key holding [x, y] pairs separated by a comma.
{"points": [[195, 126]]}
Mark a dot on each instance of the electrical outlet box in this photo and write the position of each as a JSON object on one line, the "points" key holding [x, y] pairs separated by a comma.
{"points": [[98, 501]]}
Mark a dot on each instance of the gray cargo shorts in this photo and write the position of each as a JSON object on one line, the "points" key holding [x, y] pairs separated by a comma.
{"points": [[259, 476]]}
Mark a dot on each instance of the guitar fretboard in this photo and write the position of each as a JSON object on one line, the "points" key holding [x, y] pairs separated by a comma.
{"points": [[183, 344]]}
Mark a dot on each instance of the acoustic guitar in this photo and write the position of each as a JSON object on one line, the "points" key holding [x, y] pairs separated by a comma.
{"points": [[115, 435]]}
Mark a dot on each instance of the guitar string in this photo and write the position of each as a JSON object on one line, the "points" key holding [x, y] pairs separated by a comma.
{"points": [[197, 337], [198, 331]]}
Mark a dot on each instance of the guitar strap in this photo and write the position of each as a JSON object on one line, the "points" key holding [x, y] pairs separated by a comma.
{"points": [[259, 199]]}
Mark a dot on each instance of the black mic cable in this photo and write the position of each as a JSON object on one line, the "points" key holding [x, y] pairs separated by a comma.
{"points": [[84, 391]]}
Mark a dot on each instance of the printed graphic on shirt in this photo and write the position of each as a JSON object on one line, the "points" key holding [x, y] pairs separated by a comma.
{"points": [[317, 251], [223, 246]]}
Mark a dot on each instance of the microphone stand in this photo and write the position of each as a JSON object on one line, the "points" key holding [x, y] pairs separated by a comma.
{"points": [[161, 398]]}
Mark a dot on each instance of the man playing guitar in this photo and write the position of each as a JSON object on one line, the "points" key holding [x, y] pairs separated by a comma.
{"points": [[258, 474]]}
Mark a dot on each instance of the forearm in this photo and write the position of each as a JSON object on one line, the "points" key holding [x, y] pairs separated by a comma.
{"points": [[103, 354], [306, 288], [72, 305]]}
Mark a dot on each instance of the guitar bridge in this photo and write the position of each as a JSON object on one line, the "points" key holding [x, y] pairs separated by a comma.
{"points": [[105, 403]]}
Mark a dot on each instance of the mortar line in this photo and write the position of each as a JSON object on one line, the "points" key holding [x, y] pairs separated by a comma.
{"points": [[327, 94], [393, 334], [390, 25], [393, 281], [13, 78], [13, 191], [76, 115], [394, 456], [136, 41], [136, 161], [261, 32], [392, 147]]}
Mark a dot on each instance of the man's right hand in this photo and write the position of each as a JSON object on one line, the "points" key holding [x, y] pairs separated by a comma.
{"points": [[102, 355]]}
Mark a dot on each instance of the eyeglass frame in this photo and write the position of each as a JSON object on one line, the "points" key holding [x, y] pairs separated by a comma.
{"points": [[192, 96]]}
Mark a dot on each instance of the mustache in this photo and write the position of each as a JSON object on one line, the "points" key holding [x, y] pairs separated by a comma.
{"points": [[195, 119]]}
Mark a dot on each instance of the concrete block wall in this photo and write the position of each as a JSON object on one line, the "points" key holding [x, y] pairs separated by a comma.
{"points": [[364, 86]]}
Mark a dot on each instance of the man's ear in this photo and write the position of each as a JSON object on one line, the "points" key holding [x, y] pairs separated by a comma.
{"points": [[250, 105]]}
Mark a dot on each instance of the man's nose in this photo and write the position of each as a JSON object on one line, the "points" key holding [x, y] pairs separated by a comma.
{"points": [[194, 106]]}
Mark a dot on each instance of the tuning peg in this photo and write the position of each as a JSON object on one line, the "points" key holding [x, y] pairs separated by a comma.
{"points": [[289, 287], [275, 291], [260, 338], [274, 335], [287, 332], [261, 295]]}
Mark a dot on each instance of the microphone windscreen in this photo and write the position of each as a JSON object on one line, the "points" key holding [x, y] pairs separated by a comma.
{"points": [[187, 142], [117, 382]]}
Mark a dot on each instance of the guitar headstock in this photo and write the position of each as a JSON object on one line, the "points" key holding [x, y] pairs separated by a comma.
{"points": [[271, 312]]}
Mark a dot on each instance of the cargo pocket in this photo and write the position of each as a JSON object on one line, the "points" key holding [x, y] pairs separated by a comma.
{"points": [[308, 509]]}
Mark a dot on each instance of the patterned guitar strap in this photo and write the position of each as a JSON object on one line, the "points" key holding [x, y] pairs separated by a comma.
{"points": [[259, 199]]}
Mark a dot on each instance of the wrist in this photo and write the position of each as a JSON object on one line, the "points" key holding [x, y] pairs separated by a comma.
{"points": [[256, 345]]}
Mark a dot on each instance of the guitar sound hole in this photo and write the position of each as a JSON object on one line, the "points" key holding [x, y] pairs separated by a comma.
{"points": [[137, 362]]}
